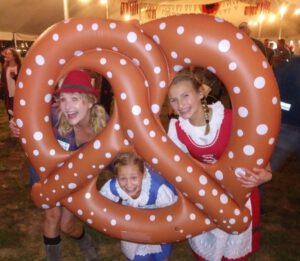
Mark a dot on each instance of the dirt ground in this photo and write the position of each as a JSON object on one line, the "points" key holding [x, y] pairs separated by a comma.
{"points": [[20, 220]]}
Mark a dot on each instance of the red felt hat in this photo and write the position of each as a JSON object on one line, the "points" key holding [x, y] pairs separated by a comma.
{"points": [[78, 81]]}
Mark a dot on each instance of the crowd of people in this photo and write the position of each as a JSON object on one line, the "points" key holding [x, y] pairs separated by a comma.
{"points": [[201, 128]]}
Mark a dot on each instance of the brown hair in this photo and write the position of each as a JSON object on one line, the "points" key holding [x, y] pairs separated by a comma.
{"points": [[128, 158]]}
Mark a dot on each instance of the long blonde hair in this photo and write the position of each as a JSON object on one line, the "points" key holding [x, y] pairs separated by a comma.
{"points": [[97, 119]]}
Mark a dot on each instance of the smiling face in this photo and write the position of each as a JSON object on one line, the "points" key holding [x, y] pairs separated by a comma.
{"points": [[130, 179], [185, 99], [75, 108]]}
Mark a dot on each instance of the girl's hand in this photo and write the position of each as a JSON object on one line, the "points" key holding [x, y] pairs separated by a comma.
{"points": [[255, 177], [15, 131]]}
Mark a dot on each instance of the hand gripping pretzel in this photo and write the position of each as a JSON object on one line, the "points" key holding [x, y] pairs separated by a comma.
{"points": [[138, 72]]}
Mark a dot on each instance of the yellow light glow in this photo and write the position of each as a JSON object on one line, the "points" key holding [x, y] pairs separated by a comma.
{"points": [[297, 11], [103, 2], [84, 1], [272, 18], [127, 17], [261, 18], [282, 10]]}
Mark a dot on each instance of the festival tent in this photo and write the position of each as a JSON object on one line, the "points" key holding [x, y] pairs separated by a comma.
{"points": [[26, 19]]}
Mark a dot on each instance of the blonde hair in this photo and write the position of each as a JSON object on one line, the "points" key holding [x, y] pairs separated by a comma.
{"points": [[199, 83], [97, 119], [128, 158]]}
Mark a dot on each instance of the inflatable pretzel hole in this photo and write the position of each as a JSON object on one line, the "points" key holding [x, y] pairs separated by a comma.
{"points": [[139, 63]]}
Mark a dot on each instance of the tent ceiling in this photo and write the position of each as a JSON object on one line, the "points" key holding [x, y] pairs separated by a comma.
{"points": [[35, 16]]}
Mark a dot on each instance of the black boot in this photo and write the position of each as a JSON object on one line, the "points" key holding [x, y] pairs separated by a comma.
{"points": [[85, 243]]}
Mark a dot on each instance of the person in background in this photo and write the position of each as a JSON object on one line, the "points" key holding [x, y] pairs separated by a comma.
{"points": [[10, 72], [136, 185], [281, 56], [244, 27], [203, 131], [76, 120], [269, 51], [288, 144]]}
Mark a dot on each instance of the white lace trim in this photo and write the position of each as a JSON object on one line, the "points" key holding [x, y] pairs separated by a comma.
{"points": [[197, 132]]}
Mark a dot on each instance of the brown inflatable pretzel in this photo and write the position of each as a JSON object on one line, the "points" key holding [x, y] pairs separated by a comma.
{"points": [[139, 65]]}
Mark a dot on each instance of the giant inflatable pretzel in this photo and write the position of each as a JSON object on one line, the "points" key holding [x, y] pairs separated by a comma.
{"points": [[139, 62]]}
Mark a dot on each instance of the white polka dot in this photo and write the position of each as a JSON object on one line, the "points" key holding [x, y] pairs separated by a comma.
{"points": [[19, 123], [136, 110], [23, 140], [89, 221], [21, 85], [200, 206], [123, 96], [108, 155], [265, 64], [259, 162], [97, 144], [274, 100], [236, 90], [38, 136], [214, 192], [180, 30], [127, 217], [259, 82], [207, 221], [174, 55], [42, 169], [271, 141], [70, 165], [152, 218], [262, 129], [130, 134], [156, 39], [45, 206], [132, 37], [46, 118], [219, 175], [56, 177], [146, 122], [48, 98], [203, 180], [245, 219], [80, 212], [28, 71], [70, 199], [61, 61], [50, 82], [115, 49], [187, 60], [178, 179], [36, 152], [239, 172], [239, 36], [123, 61], [177, 68], [55, 37], [152, 134], [237, 212], [72, 186], [198, 39], [162, 26], [79, 27], [80, 156], [154, 160], [103, 61], [52, 152], [40, 60], [148, 47], [113, 222], [88, 195], [211, 69], [176, 158], [192, 216], [224, 199], [109, 75], [136, 61], [157, 70], [232, 66], [254, 48], [201, 192], [169, 218], [248, 150], [146, 84], [95, 27], [155, 108], [164, 139], [189, 169], [224, 46], [230, 155], [117, 127], [243, 112], [240, 133]]}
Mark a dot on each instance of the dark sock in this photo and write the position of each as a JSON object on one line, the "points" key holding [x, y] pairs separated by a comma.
{"points": [[51, 240]]}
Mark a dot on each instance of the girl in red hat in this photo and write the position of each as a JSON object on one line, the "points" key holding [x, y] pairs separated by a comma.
{"points": [[76, 119]]}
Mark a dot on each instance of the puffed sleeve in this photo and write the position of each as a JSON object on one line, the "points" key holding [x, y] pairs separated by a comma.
{"points": [[172, 133], [106, 192], [165, 197]]}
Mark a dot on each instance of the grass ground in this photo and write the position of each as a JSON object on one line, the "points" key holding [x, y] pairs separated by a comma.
{"points": [[20, 220]]}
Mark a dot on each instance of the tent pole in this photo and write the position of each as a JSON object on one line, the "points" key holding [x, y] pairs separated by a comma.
{"points": [[66, 10]]}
